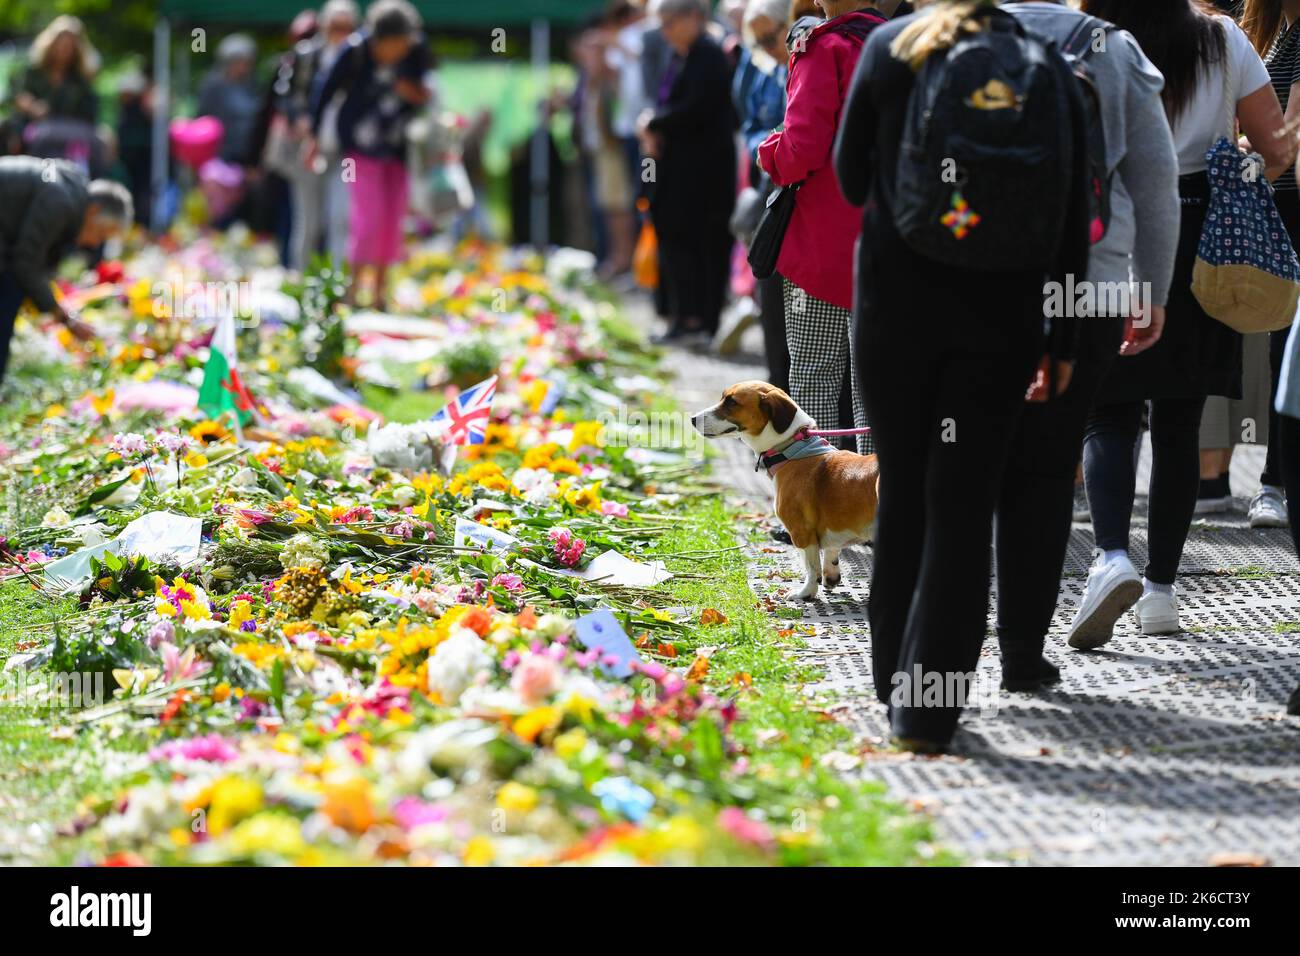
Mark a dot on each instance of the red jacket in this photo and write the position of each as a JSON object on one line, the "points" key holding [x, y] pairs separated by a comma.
{"points": [[818, 251]]}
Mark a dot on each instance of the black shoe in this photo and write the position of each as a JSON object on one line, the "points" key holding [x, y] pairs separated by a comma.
{"points": [[919, 745], [1293, 704], [780, 534], [1023, 675]]}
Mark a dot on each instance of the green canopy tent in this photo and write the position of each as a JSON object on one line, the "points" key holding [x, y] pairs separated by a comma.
{"points": [[436, 13], [539, 15]]}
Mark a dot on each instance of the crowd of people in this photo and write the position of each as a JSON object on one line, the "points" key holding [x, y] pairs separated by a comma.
{"points": [[993, 424]]}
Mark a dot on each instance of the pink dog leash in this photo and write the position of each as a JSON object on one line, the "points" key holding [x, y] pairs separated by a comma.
{"points": [[834, 432]]}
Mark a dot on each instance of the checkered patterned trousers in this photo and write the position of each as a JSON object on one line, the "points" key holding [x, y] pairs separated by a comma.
{"points": [[821, 351]]}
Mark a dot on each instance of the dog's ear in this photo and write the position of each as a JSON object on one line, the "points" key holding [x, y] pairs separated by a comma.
{"points": [[780, 409]]}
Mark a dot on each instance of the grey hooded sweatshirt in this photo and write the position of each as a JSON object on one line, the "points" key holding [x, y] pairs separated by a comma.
{"points": [[1142, 240]]}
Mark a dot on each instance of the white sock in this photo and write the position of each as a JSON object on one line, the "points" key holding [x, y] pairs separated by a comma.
{"points": [[1110, 557], [1150, 587]]}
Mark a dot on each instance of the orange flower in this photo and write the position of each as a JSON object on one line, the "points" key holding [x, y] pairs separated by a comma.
{"points": [[478, 620]]}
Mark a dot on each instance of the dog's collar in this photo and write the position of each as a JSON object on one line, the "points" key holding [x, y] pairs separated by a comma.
{"points": [[799, 445]]}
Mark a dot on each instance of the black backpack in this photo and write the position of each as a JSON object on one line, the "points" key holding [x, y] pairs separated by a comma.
{"points": [[1076, 45], [985, 167]]}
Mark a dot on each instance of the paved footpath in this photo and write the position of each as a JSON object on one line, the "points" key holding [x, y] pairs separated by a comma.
{"points": [[1155, 751]]}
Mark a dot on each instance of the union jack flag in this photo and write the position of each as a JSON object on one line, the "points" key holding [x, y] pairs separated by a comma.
{"points": [[468, 413]]}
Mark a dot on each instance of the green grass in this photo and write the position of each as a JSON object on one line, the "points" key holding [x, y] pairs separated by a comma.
{"points": [[45, 770], [404, 406], [855, 820]]}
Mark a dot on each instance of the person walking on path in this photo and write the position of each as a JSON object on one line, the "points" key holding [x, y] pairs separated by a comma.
{"points": [[946, 356], [816, 259], [1196, 355], [48, 208], [1036, 500]]}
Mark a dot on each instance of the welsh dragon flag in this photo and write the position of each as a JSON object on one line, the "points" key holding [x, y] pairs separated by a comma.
{"points": [[223, 390]]}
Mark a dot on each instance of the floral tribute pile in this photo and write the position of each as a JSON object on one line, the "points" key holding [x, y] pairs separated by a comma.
{"points": [[324, 638]]}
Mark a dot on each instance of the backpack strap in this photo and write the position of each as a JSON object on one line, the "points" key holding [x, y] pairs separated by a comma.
{"points": [[1079, 44]]}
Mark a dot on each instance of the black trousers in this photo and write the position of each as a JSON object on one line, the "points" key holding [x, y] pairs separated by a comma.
{"points": [[1289, 466], [11, 300], [696, 270], [944, 400], [1036, 501], [771, 309], [1110, 470], [1272, 475]]}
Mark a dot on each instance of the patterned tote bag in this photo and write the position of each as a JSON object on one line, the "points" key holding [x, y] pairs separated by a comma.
{"points": [[1246, 273]]}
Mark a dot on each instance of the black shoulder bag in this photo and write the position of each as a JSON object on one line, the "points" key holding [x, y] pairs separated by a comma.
{"points": [[765, 247]]}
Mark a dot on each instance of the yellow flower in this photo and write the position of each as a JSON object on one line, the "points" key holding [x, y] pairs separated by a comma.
{"points": [[55, 411], [208, 432], [233, 799], [540, 456], [195, 611], [195, 460], [103, 403], [534, 393], [564, 466], [277, 833], [517, 797], [570, 743], [479, 852], [260, 655], [587, 498], [537, 721], [587, 434], [240, 612]]}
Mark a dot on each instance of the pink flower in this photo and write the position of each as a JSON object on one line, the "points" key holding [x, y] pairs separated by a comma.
{"points": [[411, 812], [213, 748], [568, 549], [128, 443], [178, 666], [161, 633], [535, 679], [746, 830], [511, 582], [613, 509]]}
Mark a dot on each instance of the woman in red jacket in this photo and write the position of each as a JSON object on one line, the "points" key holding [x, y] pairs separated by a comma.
{"points": [[816, 261]]}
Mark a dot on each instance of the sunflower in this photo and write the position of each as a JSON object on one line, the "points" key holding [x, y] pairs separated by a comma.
{"points": [[209, 431]]}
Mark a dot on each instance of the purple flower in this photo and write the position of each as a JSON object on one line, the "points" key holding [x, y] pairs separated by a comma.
{"points": [[161, 633]]}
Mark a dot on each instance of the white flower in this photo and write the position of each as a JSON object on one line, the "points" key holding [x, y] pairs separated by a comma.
{"points": [[56, 517], [304, 551], [416, 447], [406, 496], [244, 478], [456, 662]]}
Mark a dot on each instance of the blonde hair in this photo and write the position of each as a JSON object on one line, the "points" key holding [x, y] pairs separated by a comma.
{"points": [[937, 28], [85, 61]]}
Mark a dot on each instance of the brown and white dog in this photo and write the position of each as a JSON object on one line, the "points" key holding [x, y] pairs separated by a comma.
{"points": [[825, 501]]}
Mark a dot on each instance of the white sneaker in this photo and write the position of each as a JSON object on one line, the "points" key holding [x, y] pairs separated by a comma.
{"points": [[1157, 613], [1268, 509], [1113, 587]]}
